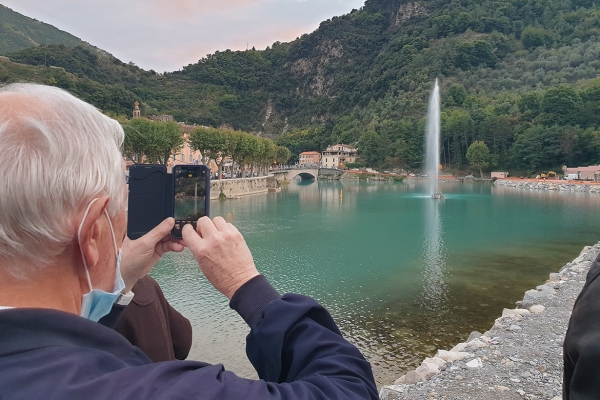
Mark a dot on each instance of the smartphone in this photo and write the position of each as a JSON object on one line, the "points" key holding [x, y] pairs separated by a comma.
{"points": [[147, 205], [191, 195]]}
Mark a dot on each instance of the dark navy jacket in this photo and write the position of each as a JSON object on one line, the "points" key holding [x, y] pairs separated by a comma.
{"points": [[581, 379], [294, 345]]}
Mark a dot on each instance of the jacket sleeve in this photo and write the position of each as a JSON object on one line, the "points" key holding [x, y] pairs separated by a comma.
{"points": [[181, 333], [581, 379], [295, 345]]}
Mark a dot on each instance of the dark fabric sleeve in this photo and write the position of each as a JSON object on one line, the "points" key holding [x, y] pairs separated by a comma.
{"points": [[581, 375], [181, 333], [294, 342], [147, 323]]}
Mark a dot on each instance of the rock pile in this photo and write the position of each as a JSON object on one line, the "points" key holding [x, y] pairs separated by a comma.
{"points": [[520, 357], [550, 185]]}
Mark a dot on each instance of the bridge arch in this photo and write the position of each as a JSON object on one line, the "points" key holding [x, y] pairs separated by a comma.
{"points": [[304, 175]]}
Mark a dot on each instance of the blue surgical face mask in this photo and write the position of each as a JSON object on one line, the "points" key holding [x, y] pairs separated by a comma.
{"points": [[97, 303]]}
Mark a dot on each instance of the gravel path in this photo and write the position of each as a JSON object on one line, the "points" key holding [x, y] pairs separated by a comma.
{"points": [[520, 357]]}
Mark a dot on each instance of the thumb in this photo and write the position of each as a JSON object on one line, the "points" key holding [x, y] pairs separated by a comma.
{"points": [[159, 231], [192, 240]]}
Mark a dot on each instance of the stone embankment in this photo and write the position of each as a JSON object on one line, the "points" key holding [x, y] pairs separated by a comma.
{"points": [[536, 184], [520, 357], [234, 188]]}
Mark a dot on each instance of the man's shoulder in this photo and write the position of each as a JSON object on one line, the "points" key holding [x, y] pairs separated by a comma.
{"points": [[31, 329]]}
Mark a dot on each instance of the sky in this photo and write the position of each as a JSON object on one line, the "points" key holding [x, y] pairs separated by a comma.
{"points": [[165, 35]]}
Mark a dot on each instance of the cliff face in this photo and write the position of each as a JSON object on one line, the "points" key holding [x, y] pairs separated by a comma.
{"points": [[315, 72]]}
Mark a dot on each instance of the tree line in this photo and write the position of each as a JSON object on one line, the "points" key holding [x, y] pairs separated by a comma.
{"points": [[148, 141]]}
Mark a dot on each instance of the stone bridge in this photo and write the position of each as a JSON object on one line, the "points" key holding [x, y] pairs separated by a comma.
{"points": [[289, 174]]}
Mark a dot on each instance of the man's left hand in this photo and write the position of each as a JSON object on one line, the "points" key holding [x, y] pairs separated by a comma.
{"points": [[140, 255]]}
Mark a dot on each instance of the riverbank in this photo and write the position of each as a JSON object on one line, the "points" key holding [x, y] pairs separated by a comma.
{"points": [[555, 185], [520, 357]]}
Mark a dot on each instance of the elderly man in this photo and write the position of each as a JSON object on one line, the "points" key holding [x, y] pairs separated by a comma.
{"points": [[64, 263]]}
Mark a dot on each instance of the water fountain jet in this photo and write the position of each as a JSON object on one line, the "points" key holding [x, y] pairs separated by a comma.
{"points": [[432, 144]]}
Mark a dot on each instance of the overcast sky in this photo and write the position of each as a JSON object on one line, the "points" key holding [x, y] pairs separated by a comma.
{"points": [[165, 35]]}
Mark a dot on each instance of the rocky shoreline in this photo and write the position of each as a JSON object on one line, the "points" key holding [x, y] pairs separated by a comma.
{"points": [[569, 186], [520, 357]]}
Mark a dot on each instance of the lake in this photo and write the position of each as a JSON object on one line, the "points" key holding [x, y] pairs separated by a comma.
{"points": [[402, 274]]}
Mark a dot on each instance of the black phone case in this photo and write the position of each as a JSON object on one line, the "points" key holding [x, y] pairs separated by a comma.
{"points": [[149, 201]]}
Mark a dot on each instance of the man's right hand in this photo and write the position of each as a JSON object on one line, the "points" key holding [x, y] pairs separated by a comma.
{"points": [[222, 254]]}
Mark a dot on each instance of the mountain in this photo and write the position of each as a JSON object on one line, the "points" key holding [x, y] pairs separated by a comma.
{"points": [[520, 75], [18, 32]]}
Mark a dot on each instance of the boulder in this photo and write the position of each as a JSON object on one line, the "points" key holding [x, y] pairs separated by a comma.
{"points": [[451, 356], [517, 311], [427, 370], [439, 362], [537, 309]]}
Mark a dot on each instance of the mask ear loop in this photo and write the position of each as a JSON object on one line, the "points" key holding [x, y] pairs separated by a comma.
{"points": [[87, 211], [112, 230]]}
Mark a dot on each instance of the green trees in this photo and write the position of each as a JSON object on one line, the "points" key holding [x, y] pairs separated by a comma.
{"points": [[560, 106], [242, 147], [151, 141], [533, 37], [478, 155], [370, 149], [211, 143]]}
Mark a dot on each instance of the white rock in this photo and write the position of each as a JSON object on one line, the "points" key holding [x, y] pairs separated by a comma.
{"points": [[459, 347], [517, 311], [436, 361], [413, 377], [428, 370], [515, 328], [475, 363], [537, 309], [474, 345], [451, 356]]}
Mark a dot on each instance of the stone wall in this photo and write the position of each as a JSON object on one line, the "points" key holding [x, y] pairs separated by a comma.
{"points": [[561, 186], [242, 186]]}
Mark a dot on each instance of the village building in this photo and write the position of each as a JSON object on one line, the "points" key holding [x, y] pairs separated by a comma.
{"points": [[589, 173], [338, 155], [309, 159], [499, 175]]}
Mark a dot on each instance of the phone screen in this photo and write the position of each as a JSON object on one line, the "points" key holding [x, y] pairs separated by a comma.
{"points": [[191, 197]]}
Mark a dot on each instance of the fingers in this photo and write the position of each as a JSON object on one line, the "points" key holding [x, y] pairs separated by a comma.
{"points": [[219, 223], [191, 238], [206, 227], [171, 246], [159, 232]]}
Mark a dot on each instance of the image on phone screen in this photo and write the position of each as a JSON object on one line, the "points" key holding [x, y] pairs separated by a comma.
{"points": [[190, 195]]}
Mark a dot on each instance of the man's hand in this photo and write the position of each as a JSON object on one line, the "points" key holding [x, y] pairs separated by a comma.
{"points": [[140, 255], [222, 253]]}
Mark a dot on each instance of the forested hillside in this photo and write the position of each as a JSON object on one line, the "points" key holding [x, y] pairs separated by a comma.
{"points": [[519, 75], [18, 32]]}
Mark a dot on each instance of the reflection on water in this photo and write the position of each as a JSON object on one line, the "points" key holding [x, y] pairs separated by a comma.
{"points": [[402, 274], [434, 298]]}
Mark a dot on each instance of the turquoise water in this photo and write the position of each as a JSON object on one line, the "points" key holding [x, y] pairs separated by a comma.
{"points": [[402, 274]]}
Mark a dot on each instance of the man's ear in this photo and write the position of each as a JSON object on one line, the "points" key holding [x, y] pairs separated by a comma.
{"points": [[91, 231]]}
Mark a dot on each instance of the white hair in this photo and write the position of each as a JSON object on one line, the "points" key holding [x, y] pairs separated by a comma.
{"points": [[57, 153]]}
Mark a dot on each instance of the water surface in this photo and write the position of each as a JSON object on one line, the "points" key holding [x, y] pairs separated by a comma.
{"points": [[402, 274]]}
